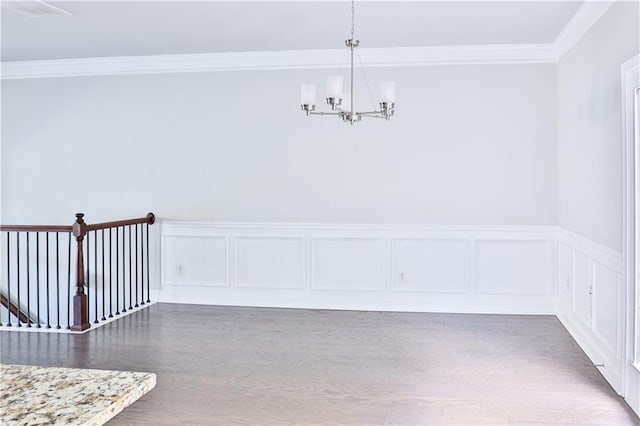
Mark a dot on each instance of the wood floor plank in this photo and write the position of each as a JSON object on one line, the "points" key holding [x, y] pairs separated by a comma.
{"points": [[233, 365]]}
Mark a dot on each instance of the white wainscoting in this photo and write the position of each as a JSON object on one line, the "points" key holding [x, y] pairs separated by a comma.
{"points": [[477, 269], [591, 304]]}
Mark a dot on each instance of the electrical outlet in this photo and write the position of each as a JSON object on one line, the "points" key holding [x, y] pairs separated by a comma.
{"points": [[180, 270], [402, 277]]}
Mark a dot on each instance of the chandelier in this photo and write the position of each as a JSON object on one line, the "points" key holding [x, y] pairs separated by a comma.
{"points": [[335, 86]]}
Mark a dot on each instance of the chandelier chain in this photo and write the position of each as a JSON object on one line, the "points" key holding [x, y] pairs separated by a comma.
{"points": [[353, 17]]}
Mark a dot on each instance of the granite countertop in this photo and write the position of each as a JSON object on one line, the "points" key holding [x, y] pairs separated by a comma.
{"points": [[67, 396]]}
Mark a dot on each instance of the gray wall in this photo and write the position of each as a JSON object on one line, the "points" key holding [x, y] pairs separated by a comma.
{"points": [[590, 127], [469, 145]]}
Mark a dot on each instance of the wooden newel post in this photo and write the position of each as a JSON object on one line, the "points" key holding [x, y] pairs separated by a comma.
{"points": [[80, 303]]}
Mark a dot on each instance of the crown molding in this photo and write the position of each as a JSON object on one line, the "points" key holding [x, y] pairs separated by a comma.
{"points": [[578, 25], [276, 60], [584, 18]]}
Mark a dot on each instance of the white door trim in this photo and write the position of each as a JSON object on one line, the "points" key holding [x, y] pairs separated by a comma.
{"points": [[630, 73]]}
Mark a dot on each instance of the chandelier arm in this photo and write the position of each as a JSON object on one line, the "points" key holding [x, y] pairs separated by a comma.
{"points": [[324, 113]]}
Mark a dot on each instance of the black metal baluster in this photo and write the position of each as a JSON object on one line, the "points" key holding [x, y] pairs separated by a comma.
{"points": [[117, 274], [48, 321], [142, 263], [69, 285], [103, 306], [124, 270], [19, 307], [95, 269], [88, 276], [148, 270], [38, 278], [28, 286], [136, 265], [130, 281], [110, 274], [8, 279], [58, 279]]}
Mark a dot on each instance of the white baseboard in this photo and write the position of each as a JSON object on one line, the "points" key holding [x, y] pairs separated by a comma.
{"points": [[154, 294], [608, 366], [478, 304]]}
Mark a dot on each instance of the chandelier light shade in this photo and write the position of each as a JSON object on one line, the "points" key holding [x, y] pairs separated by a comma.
{"points": [[335, 85], [344, 106], [308, 95], [388, 91]]}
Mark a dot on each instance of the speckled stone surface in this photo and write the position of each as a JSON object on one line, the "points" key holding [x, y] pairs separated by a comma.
{"points": [[67, 396]]}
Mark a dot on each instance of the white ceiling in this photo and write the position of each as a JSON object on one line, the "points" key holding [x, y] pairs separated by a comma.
{"points": [[131, 28]]}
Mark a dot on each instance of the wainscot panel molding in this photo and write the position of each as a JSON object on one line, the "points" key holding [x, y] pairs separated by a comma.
{"points": [[197, 260], [269, 262], [474, 269], [591, 303]]}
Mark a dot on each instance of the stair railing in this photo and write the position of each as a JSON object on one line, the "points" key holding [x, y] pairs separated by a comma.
{"points": [[34, 293]]}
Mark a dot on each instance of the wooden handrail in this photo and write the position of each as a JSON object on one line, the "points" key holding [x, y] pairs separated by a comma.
{"points": [[149, 218], [35, 228], [14, 309]]}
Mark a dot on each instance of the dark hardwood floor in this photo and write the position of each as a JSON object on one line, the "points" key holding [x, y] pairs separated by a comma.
{"points": [[230, 365]]}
